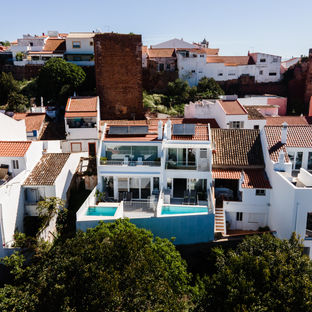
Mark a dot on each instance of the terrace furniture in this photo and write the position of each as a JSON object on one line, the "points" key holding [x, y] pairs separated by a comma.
{"points": [[186, 198]]}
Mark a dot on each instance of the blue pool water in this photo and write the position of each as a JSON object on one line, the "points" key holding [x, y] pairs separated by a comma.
{"points": [[101, 211], [169, 210]]}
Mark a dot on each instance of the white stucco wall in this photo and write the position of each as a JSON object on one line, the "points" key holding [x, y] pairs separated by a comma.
{"points": [[193, 69], [85, 46], [67, 147], [11, 129]]}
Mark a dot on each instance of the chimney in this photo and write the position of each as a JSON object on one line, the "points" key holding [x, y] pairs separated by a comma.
{"points": [[310, 107], [284, 133], [169, 129], [160, 133]]}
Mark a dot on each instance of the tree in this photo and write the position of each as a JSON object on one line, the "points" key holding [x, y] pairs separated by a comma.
{"points": [[17, 102], [208, 88], [19, 56], [58, 79], [7, 85], [262, 274], [113, 267]]}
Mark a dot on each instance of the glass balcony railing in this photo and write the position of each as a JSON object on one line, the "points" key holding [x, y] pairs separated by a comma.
{"points": [[150, 163], [181, 165]]}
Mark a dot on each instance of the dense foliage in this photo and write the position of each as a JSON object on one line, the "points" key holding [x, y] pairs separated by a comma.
{"points": [[262, 274], [17, 102], [7, 86], [113, 267], [179, 93], [58, 79]]}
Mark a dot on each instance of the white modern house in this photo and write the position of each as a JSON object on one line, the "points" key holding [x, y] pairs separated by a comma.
{"points": [[228, 113], [288, 158], [79, 48], [194, 65], [82, 124]]}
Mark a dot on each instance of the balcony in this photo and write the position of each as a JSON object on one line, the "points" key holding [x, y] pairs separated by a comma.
{"points": [[126, 162], [181, 165]]}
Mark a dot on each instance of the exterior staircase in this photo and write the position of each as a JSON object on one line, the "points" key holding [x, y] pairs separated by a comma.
{"points": [[220, 220]]}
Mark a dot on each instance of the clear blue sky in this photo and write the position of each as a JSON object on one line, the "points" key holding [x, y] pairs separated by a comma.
{"points": [[279, 27]]}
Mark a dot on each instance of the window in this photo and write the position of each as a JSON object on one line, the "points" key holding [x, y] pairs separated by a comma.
{"points": [[35, 58], [161, 67], [275, 59], [202, 55], [310, 161], [231, 74], [272, 74], [203, 153], [76, 44], [15, 164], [298, 160], [31, 44], [168, 67], [262, 60], [261, 72], [77, 58], [187, 54], [91, 43], [260, 192], [220, 74], [194, 55], [200, 72], [193, 71], [236, 124], [239, 216], [256, 127]]}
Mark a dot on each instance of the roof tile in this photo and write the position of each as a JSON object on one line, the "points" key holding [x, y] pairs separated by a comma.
{"points": [[47, 169], [14, 148]]}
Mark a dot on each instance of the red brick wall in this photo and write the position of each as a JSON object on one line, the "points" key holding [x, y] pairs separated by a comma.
{"points": [[118, 72]]}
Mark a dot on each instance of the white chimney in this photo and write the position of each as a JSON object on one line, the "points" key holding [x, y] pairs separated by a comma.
{"points": [[169, 129], [160, 133], [41, 101], [284, 133], [281, 158]]}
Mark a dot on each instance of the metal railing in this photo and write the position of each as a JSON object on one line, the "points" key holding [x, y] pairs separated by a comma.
{"points": [[152, 163], [182, 165]]}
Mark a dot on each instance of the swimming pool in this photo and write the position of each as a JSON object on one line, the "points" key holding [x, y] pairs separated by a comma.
{"points": [[101, 211], [169, 210]]}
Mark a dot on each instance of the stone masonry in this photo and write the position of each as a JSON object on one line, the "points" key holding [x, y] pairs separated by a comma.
{"points": [[118, 72]]}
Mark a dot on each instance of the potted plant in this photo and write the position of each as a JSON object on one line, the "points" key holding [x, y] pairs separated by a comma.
{"points": [[103, 160]]}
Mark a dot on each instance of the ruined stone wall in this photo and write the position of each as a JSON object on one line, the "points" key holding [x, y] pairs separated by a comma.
{"points": [[21, 72], [118, 72]]}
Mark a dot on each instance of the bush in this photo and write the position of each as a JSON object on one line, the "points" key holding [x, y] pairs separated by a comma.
{"points": [[17, 102]]}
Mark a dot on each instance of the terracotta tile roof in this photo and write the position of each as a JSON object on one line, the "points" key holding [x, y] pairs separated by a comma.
{"points": [[201, 134], [297, 136], [237, 148], [153, 53], [256, 179], [253, 113], [226, 174], [47, 169], [14, 148], [33, 121], [252, 178], [210, 51], [232, 108], [291, 120], [81, 106], [231, 60], [55, 45]]}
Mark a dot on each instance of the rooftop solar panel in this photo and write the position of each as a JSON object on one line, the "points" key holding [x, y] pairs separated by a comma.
{"points": [[128, 130], [184, 129]]}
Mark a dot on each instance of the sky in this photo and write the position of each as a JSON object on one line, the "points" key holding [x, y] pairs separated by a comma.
{"points": [[279, 27]]}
